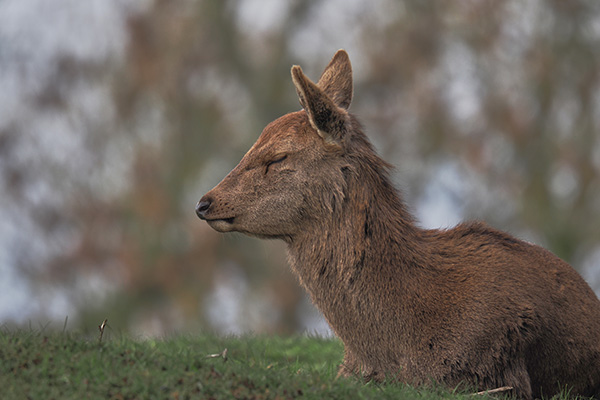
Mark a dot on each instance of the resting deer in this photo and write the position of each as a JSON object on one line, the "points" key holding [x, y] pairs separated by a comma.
{"points": [[469, 305]]}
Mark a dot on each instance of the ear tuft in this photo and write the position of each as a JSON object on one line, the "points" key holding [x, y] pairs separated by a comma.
{"points": [[324, 115]]}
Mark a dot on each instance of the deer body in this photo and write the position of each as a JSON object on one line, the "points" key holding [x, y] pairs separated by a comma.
{"points": [[468, 305]]}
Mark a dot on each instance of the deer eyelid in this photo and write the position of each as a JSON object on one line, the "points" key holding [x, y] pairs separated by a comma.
{"points": [[275, 160]]}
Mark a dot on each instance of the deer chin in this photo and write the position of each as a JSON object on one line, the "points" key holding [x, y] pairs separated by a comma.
{"points": [[221, 225]]}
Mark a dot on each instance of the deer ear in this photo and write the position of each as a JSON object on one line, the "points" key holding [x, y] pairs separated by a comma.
{"points": [[336, 80], [324, 115]]}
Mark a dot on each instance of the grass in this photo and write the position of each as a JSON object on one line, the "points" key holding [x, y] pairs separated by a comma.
{"points": [[44, 365]]}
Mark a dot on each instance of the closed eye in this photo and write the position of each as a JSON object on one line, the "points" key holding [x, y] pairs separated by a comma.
{"points": [[275, 161]]}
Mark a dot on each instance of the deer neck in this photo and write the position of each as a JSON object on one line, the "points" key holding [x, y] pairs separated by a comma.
{"points": [[344, 262]]}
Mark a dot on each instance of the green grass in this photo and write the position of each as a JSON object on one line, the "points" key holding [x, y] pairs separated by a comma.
{"points": [[44, 365]]}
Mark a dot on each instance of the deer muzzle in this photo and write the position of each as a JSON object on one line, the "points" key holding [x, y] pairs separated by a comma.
{"points": [[202, 208]]}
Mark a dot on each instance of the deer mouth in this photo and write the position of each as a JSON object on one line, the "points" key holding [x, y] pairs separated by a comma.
{"points": [[221, 224]]}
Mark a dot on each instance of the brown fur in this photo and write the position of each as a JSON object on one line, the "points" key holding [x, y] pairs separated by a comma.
{"points": [[468, 305]]}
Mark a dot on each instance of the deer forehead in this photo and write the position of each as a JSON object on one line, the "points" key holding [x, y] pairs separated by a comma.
{"points": [[290, 133]]}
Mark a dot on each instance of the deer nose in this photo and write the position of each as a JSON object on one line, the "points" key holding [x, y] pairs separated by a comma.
{"points": [[202, 207]]}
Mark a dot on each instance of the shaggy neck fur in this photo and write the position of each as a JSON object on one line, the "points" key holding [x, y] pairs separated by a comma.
{"points": [[368, 238]]}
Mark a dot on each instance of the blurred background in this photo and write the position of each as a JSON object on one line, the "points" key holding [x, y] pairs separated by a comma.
{"points": [[116, 116]]}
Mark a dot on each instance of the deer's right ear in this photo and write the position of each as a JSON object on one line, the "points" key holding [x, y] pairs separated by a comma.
{"points": [[324, 115], [336, 80]]}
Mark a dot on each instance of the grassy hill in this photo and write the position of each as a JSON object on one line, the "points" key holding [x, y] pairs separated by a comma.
{"points": [[44, 365]]}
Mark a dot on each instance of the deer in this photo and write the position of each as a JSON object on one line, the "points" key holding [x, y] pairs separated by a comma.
{"points": [[469, 305]]}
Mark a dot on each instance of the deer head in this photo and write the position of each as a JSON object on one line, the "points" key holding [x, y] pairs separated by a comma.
{"points": [[294, 172]]}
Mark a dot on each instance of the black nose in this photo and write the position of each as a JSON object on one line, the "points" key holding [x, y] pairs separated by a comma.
{"points": [[202, 207]]}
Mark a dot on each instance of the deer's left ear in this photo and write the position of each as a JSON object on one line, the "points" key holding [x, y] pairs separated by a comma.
{"points": [[326, 102]]}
